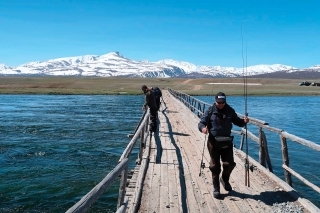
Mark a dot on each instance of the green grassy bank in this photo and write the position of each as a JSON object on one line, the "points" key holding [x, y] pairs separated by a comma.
{"points": [[131, 86]]}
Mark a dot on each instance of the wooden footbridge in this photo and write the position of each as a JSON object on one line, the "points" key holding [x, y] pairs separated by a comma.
{"points": [[167, 176]]}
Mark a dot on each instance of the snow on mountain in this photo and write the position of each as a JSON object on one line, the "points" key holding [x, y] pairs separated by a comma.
{"points": [[3, 66], [264, 68], [218, 71], [186, 66], [315, 67], [114, 64], [111, 64]]}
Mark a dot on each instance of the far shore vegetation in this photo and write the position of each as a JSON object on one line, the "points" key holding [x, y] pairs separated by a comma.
{"points": [[132, 86]]}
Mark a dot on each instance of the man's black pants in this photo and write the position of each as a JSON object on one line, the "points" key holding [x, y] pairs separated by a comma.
{"points": [[153, 119], [158, 103], [225, 151]]}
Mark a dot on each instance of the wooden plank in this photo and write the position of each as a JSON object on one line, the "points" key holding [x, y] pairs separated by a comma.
{"points": [[155, 190], [203, 197], [147, 188], [173, 180], [173, 171], [174, 201], [164, 185], [192, 199], [154, 182]]}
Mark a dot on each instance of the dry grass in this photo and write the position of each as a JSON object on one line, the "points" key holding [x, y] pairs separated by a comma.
{"points": [[98, 86]]}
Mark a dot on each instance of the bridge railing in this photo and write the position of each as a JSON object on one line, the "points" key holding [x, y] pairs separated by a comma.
{"points": [[121, 170], [199, 107]]}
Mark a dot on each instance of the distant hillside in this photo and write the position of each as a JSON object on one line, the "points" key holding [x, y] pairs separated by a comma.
{"points": [[291, 75]]}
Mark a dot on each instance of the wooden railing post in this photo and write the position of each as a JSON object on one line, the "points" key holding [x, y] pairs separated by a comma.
{"points": [[141, 147], [262, 156], [123, 184], [285, 158], [264, 139]]}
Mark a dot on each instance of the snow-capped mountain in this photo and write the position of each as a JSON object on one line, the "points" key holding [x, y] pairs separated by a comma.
{"points": [[111, 64], [315, 67], [114, 64], [218, 71], [3, 66]]}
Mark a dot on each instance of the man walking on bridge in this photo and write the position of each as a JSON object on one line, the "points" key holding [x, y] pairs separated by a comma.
{"points": [[217, 121], [151, 103]]}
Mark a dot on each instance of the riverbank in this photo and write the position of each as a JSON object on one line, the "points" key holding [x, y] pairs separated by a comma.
{"points": [[132, 86]]}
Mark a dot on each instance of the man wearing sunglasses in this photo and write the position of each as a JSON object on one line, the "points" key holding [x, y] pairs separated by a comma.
{"points": [[217, 121]]}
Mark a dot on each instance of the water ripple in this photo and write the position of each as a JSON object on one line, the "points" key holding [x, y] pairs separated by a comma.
{"points": [[54, 149]]}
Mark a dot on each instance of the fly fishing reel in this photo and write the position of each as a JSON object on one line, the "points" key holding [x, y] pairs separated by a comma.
{"points": [[203, 165]]}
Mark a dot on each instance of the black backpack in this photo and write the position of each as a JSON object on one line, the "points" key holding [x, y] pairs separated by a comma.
{"points": [[157, 92]]}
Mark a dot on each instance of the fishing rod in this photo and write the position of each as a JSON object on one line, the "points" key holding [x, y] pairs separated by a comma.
{"points": [[202, 164], [245, 94]]}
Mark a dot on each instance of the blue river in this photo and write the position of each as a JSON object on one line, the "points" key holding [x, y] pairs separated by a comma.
{"points": [[54, 149]]}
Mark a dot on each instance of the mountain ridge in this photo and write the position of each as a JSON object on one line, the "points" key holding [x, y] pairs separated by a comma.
{"points": [[114, 64]]}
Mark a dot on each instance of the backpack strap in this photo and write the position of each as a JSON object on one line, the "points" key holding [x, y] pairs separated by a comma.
{"points": [[209, 115]]}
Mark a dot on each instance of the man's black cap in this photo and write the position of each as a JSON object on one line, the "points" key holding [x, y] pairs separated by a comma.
{"points": [[144, 87], [221, 97]]}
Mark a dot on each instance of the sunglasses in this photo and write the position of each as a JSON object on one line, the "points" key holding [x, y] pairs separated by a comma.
{"points": [[221, 102]]}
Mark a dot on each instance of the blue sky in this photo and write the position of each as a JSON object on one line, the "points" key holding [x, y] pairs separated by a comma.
{"points": [[203, 32]]}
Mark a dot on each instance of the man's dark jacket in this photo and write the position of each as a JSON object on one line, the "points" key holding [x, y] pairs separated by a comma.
{"points": [[150, 100], [221, 120]]}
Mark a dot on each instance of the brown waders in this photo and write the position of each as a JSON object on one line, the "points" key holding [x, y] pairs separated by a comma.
{"points": [[225, 150]]}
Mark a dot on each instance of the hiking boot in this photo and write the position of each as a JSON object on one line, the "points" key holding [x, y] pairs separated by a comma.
{"points": [[216, 189], [226, 184], [216, 193]]}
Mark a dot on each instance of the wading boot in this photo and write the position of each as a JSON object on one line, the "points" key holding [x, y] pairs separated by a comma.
{"points": [[225, 183], [216, 188]]}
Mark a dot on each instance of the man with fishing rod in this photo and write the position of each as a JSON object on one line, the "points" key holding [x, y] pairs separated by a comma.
{"points": [[217, 121]]}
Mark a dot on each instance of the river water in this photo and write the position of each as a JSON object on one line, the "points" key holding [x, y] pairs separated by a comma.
{"points": [[54, 149]]}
